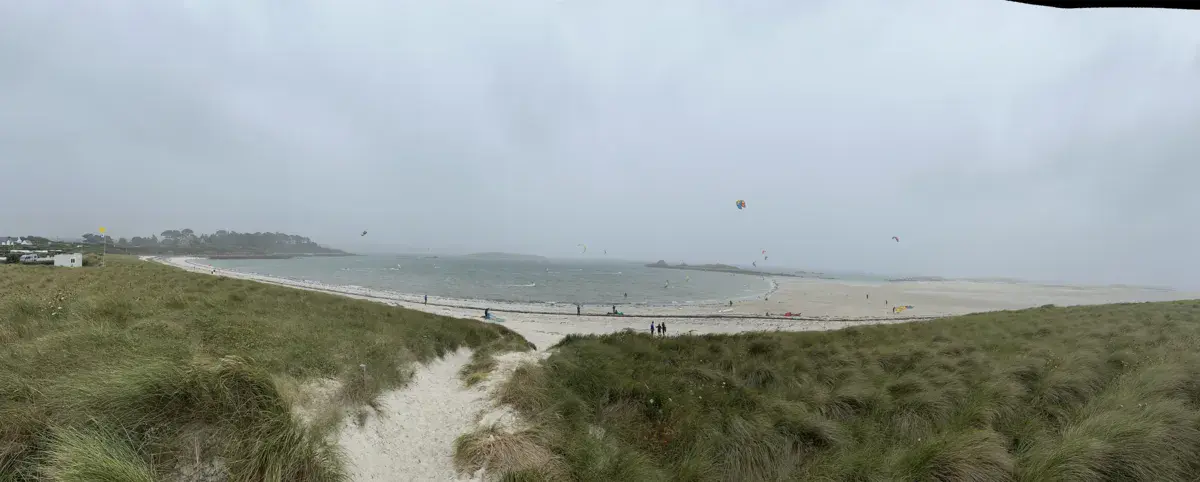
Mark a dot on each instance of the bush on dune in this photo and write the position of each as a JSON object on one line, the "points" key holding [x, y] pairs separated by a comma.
{"points": [[137, 371], [1081, 393]]}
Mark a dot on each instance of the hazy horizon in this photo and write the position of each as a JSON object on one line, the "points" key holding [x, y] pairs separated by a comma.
{"points": [[994, 139]]}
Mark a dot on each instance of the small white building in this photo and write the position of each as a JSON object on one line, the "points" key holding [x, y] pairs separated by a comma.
{"points": [[70, 260], [15, 242]]}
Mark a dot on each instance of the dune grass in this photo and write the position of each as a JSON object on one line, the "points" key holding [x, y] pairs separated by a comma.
{"points": [[1082, 393], [138, 371]]}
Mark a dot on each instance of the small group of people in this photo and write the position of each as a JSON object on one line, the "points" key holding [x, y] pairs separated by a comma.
{"points": [[661, 328]]}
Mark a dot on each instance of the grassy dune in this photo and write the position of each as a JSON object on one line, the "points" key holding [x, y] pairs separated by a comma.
{"points": [[1083, 393], [137, 371]]}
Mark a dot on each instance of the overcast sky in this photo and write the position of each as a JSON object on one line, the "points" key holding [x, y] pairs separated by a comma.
{"points": [[994, 139]]}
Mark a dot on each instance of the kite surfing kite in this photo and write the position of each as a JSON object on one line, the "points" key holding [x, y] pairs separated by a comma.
{"points": [[740, 204], [363, 234], [584, 246], [896, 238]]}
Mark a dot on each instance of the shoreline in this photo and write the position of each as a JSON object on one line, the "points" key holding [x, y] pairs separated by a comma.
{"points": [[546, 328], [815, 304], [657, 310]]}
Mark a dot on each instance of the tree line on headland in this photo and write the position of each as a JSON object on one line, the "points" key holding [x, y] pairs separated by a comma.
{"points": [[187, 241]]}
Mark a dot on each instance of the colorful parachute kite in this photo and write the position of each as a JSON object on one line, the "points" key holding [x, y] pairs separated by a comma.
{"points": [[896, 238], [899, 309], [584, 246], [740, 204]]}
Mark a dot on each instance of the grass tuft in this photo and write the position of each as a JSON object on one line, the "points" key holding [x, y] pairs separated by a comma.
{"points": [[94, 456], [522, 454]]}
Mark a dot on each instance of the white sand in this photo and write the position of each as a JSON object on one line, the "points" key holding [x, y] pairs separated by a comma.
{"points": [[415, 439]]}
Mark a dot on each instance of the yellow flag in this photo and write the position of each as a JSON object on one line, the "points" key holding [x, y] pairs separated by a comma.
{"points": [[102, 230]]}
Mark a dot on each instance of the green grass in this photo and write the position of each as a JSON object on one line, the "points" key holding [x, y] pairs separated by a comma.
{"points": [[138, 371], [1082, 393]]}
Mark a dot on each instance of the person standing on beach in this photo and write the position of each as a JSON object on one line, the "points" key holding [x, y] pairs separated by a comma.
{"points": [[652, 328], [427, 299], [486, 313], [662, 329], [578, 310]]}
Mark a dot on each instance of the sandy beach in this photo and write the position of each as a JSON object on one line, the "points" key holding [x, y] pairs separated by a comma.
{"points": [[816, 304], [413, 437]]}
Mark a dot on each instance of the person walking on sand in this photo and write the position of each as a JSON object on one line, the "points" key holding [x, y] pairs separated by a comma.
{"points": [[427, 299], [651, 328]]}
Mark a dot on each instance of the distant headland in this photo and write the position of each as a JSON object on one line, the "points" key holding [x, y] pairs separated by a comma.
{"points": [[719, 268], [221, 244], [506, 256]]}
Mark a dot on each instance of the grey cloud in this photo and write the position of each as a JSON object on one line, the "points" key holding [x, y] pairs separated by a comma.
{"points": [[993, 138]]}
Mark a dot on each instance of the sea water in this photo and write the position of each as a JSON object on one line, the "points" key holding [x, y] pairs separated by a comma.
{"points": [[521, 280]]}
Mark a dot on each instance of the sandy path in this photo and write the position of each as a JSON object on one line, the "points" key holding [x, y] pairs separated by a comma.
{"points": [[413, 436]]}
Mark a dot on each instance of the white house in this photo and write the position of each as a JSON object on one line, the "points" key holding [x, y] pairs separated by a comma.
{"points": [[15, 242], [71, 260]]}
